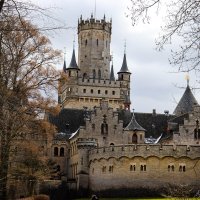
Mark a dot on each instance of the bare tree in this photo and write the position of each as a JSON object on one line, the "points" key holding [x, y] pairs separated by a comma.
{"points": [[27, 72], [182, 20]]}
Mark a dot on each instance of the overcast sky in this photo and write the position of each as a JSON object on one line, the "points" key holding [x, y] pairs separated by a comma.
{"points": [[152, 80]]}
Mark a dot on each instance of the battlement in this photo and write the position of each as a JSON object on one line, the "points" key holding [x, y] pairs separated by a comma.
{"points": [[101, 83], [93, 23], [86, 142], [145, 151]]}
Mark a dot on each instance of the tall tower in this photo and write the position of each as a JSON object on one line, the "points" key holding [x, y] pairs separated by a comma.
{"points": [[94, 37]]}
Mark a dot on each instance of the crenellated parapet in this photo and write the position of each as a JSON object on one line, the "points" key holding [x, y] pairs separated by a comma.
{"points": [[86, 143], [145, 151], [93, 23]]}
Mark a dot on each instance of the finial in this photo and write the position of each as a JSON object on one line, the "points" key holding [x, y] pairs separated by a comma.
{"points": [[187, 77], [125, 46], [104, 17], [74, 42], [65, 52], [91, 15], [95, 9]]}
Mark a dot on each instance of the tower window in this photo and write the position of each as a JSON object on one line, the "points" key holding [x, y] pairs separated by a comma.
{"points": [[99, 74], [106, 91], [94, 74], [85, 42], [91, 91], [97, 42], [62, 151], [55, 151], [99, 91], [84, 90], [113, 92]]}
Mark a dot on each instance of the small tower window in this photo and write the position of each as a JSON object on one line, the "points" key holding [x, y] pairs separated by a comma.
{"points": [[94, 74], [99, 91], [97, 42], [69, 73], [84, 90], [113, 92], [85, 42], [62, 151], [55, 151], [106, 91], [91, 91]]}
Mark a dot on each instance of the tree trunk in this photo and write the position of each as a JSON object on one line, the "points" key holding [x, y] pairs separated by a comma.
{"points": [[4, 166]]}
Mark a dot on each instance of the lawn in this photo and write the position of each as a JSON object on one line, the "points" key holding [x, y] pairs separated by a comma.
{"points": [[140, 199]]}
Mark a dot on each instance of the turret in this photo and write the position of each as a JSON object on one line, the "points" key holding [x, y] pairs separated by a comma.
{"points": [[124, 77], [187, 101], [94, 38], [135, 132], [124, 73], [72, 70]]}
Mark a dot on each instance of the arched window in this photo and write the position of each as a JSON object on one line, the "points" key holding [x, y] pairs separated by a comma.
{"points": [[55, 151], [62, 151], [183, 168], [85, 42], [134, 139], [97, 42]]}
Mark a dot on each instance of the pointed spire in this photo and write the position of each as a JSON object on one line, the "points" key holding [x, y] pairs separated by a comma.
{"points": [[186, 102], [133, 125], [112, 75], [73, 64], [64, 65], [124, 68]]}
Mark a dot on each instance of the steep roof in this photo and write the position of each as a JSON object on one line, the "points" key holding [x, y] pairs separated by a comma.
{"points": [[64, 67], [186, 102], [124, 68], [112, 76], [133, 125], [73, 64]]}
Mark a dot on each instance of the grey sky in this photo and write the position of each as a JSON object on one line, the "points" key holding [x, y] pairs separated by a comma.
{"points": [[152, 83]]}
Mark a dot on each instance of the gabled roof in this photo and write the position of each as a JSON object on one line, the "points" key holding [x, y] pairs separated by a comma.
{"points": [[73, 64], [112, 76], [124, 68], [133, 125], [186, 102]]}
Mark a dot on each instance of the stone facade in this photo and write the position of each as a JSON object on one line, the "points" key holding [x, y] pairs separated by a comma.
{"points": [[104, 153]]}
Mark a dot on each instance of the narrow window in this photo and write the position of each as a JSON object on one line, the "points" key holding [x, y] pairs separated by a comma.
{"points": [[113, 92], [168, 168], [141, 167], [106, 91], [62, 151], [131, 168], [172, 168], [91, 91], [99, 91], [184, 169], [145, 168], [55, 151], [99, 74], [84, 90], [97, 42], [85, 42], [69, 73], [94, 74]]}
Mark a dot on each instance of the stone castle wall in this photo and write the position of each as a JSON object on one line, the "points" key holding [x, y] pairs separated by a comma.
{"points": [[143, 166]]}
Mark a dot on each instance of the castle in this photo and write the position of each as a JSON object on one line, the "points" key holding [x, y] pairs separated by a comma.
{"points": [[100, 145]]}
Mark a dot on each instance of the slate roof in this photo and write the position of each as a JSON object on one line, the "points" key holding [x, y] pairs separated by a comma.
{"points": [[112, 76], [124, 68], [186, 102], [64, 67], [154, 124], [73, 64], [133, 125]]}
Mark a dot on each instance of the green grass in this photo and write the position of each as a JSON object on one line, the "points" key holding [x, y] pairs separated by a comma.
{"points": [[140, 199]]}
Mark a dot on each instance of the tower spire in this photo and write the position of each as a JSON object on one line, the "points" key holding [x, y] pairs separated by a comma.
{"points": [[112, 76], [64, 65]]}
